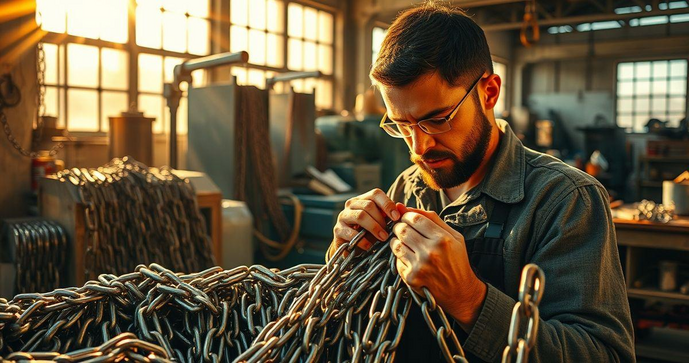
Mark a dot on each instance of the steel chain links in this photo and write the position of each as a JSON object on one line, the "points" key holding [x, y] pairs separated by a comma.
{"points": [[352, 309], [10, 96], [136, 214], [40, 253], [525, 314]]}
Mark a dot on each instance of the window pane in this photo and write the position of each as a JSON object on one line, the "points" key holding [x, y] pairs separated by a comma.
{"points": [[643, 88], [238, 39], [678, 87], [257, 47], [624, 105], [660, 69], [199, 8], [642, 70], [659, 105], [276, 11], [50, 101], [625, 71], [150, 73], [52, 15], [677, 104], [641, 105], [640, 121], [295, 24], [152, 106], [198, 78], [115, 71], [239, 12], [113, 23], [624, 121], [294, 54], [324, 94], [178, 6], [82, 65], [182, 116], [50, 51], [625, 88], [678, 68], [659, 87], [257, 14], [325, 59], [310, 57], [240, 73], [325, 27], [256, 78], [199, 36], [274, 50], [169, 67], [83, 19], [83, 110], [149, 27], [377, 37], [174, 32], [674, 119], [297, 85], [310, 23], [113, 103]]}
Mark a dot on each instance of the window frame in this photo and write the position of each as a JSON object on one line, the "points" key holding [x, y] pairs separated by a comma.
{"points": [[650, 96], [217, 26]]}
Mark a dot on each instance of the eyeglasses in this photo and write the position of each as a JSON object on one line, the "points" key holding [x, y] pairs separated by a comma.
{"points": [[431, 126]]}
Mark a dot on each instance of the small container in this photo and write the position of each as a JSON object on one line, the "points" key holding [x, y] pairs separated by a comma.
{"points": [[41, 165], [668, 275], [676, 194]]}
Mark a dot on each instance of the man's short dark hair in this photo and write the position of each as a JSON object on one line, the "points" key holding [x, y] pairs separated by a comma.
{"points": [[432, 37]]}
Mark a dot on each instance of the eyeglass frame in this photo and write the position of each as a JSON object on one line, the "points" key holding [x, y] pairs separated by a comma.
{"points": [[447, 118]]}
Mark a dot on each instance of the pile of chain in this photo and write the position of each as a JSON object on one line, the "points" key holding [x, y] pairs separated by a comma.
{"points": [[38, 250], [648, 210], [136, 214], [352, 309]]}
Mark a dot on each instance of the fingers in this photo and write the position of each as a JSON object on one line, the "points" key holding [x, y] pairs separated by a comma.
{"points": [[423, 225], [358, 217], [410, 236], [383, 202], [370, 207], [403, 253], [435, 218]]}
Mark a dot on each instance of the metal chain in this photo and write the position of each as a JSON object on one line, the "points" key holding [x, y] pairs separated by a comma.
{"points": [[525, 314], [136, 214], [40, 107], [40, 255], [352, 309]]}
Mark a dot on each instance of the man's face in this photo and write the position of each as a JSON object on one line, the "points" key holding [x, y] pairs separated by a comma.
{"points": [[451, 158]]}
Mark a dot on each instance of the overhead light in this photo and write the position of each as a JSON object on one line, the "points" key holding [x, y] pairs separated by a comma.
{"points": [[679, 18], [653, 20], [628, 10], [603, 25]]}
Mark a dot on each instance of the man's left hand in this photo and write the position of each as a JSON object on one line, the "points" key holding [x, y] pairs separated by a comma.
{"points": [[433, 255]]}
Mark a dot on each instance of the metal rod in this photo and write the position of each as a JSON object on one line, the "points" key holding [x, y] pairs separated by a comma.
{"points": [[214, 60], [292, 76]]}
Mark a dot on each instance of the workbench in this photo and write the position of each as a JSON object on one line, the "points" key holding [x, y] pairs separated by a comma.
{"points": [[642, 245]]}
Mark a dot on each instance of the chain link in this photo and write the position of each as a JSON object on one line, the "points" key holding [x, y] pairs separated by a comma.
{"points": [[136, 214], [525, 314], [40, 255]]}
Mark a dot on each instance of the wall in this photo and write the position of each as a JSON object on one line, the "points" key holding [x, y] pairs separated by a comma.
{"points": [[17, 57]]}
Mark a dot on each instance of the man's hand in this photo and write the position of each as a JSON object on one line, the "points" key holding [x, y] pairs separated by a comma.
{"points": [[433, 255], [368, 211]]}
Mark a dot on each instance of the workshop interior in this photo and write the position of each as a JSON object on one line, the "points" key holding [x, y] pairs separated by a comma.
{"points": [[171, 171]]}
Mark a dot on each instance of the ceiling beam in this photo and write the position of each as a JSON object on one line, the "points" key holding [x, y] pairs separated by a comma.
{"points": [[584, 19]]}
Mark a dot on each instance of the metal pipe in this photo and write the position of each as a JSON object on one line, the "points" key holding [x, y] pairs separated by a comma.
{"points": [[182, 73], [290, 76]]}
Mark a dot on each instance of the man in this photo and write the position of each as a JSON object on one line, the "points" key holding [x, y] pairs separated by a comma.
{"points": [[477, 206]]}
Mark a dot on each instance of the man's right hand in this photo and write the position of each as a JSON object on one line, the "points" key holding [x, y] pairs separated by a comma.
{"points": [[368, 211]]}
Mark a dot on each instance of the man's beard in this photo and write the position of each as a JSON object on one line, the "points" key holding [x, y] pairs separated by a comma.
{"points": [[472, 154]]}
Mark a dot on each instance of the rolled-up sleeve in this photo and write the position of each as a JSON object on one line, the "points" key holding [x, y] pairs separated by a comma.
{"points": [[584, 314]]}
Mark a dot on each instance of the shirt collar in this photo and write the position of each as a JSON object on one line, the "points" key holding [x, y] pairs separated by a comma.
{"points": [[504, 181]]}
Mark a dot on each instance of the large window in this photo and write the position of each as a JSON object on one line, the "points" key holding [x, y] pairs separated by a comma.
{"points": [[96, 67], [501, 70], [651, 89], [284, 36]]}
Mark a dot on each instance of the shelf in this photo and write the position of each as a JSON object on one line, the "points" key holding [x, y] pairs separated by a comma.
{"points": [[651, 184], [665, 159], [657, 294], [668, 345]]}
